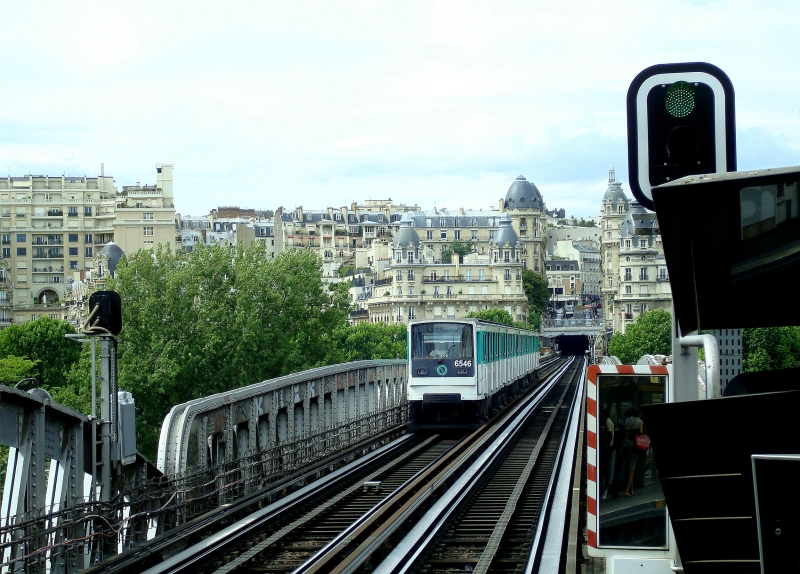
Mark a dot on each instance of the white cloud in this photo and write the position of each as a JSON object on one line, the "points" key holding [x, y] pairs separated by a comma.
{"points": [[267, 103]]}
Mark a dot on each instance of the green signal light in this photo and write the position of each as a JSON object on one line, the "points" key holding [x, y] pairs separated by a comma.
{"points": [[680, 99]]}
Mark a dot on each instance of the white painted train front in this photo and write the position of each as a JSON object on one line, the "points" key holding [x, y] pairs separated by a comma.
{"points": [[463, 370]]}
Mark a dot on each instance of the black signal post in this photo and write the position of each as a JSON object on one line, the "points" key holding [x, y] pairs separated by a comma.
{"points": [[681, 122]]}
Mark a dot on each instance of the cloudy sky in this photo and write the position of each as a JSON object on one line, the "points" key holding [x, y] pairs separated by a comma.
{"points": [[261, 104]]}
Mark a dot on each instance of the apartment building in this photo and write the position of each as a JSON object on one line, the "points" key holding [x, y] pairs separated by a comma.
{"points": [[613, 211], [419, 284], [144, 215], [52, 227], [48, 227], [525, 205], [643, 278], [587, 256]]}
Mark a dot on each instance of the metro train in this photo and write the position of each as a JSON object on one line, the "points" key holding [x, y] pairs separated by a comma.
{"points": [[463, 370]]}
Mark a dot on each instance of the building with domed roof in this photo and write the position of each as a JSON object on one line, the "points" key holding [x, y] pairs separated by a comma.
{"points": [[643, 277], [634, 271], [613, 211], [525, 206], [425, 280]]}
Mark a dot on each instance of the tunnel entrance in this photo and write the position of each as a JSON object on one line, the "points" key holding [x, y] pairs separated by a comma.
{"points": [[573, 344]]}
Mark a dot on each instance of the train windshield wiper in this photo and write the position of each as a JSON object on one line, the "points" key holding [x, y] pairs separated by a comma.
{"points": [[447, 353]]}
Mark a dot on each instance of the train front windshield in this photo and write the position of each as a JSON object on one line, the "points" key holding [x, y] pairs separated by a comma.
{"points": [[441, 340]]}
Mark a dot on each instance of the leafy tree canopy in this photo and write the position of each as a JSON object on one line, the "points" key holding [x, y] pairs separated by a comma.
{"points": [[650, 334], [42, 341], [535, 287], [14, 369], [214, 320], [369, 341], [496, 316], [461, 248], [766, 349]]}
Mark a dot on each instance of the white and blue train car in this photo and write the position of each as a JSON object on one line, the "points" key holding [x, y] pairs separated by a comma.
{"points": [[463, 370]]}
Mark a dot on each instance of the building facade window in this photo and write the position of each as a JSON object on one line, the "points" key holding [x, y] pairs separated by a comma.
{"points": [[87, 238], [148, 232], [88, 252], [87, 211], [73, 251], [149, 216], [22, 251]]}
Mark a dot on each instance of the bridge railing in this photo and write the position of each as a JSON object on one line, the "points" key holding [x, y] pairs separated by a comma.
{"points": [[222, 448]]}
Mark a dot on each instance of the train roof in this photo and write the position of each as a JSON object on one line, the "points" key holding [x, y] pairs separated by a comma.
{"points": [[470, 320]]}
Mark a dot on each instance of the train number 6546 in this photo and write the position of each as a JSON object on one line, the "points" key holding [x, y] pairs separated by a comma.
{"points": [[460, 363]]}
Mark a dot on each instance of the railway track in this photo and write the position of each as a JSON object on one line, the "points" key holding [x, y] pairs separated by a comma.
{"points": [[350, 519], [493, 528]]}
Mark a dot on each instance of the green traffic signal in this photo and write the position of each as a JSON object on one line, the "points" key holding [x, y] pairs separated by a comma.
{"points": [[680, 99]]}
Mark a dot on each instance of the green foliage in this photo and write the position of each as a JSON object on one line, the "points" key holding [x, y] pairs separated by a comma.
{"points": [[650, 334], [76, 391], [214, 320], [494, 315], [13, 369], [42, 341], [766, 349], [535, 286], [368, 341], [461, 248]]}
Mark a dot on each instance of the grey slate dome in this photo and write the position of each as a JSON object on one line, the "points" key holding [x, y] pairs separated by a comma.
{"points": [[114, 254], [406, 234], [631, 222], [505, 233], [614, 191], [523, 195]]}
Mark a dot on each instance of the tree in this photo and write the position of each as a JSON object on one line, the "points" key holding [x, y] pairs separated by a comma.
{"points": [[766, 349], [535, 287], [369, 341], [217, 319], [494, 315], [43, 342], [650, 334], [14, 369], [461, 248]]}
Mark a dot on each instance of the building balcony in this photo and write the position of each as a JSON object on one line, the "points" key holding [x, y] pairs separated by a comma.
{"points": [[55, 213], [48, 269], [38, 306], [48, 256]]}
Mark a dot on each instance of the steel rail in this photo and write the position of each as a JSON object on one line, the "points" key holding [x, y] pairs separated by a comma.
{"points": [[547, 546], [446, 503], [231, 535], [190, 556], [139, 558], [409, 550], [298, 523]]}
